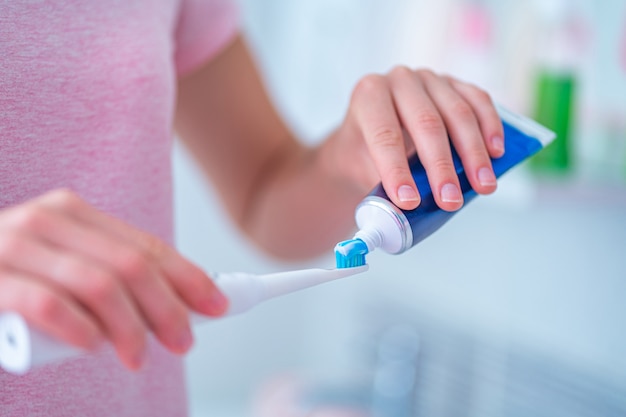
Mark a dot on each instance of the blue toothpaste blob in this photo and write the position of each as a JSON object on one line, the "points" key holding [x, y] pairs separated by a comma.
{"points": [[350, 253], [383, 225]]}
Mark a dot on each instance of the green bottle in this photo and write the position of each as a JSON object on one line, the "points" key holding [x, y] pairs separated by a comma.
{"points": [[554, 108], [555, 84]]}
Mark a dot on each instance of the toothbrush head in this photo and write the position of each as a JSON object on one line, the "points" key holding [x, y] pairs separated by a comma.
{"points": [[351, 253]]}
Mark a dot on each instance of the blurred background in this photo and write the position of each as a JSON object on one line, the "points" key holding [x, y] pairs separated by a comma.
{"points": [[515, 307]]}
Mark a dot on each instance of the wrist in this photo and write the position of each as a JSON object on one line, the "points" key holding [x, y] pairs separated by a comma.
{"points": [[345, 161]]}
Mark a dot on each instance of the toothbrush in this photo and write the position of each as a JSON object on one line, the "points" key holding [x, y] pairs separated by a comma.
{"points": [[23, 348]]}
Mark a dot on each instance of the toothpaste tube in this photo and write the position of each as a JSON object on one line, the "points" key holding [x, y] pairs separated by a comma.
{"points": [[383, 225]]}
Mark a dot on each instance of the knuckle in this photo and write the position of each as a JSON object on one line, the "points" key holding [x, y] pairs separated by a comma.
{"points": [[171, 316], [32, 218], [477, 153], [426, 73], [461, 109], [447, 78], [482, 96], [10, 245], [154, 247], [401, 71], [429, 120], [398, 173], [63, 198], [387, 137], [369, 84], [45, 306], [102, 288], [133, 266], [443, 165]]}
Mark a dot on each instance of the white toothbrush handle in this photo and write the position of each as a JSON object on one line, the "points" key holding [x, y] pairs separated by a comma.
{"points": [[23, 348]]}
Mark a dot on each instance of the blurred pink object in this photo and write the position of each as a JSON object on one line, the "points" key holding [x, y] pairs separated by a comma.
{"points": [[476, 25], [285, 396]]}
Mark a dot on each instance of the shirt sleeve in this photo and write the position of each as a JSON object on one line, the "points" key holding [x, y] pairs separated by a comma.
{"points": [[204, 27]]}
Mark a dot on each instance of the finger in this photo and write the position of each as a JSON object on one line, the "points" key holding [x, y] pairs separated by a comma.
{"points": [[189, 281], [92, 287], [106, 298], [420, 117], [464, 131], [376, 116], [165, 313], [488, 119], [50, 311]]}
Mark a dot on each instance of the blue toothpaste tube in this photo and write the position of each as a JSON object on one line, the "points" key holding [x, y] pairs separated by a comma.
{"points": [[383, 225]]}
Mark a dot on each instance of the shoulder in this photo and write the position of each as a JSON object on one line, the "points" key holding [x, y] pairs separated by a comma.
{"points": [[204, 27]]}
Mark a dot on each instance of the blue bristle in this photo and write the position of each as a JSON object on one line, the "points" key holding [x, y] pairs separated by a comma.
{"points": [[350, 253]]}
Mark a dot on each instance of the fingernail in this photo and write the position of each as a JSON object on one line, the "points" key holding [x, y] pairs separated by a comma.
{"points": [[185, 340], [216, 304], [450, 193], [498, 144], [407, 193], [486, 177]]}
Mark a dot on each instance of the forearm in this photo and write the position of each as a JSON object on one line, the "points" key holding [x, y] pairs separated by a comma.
{"points": [[293, 201]]}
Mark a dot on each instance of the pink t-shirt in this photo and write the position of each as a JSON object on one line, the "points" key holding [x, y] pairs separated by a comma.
{"points": [[87, 93]]}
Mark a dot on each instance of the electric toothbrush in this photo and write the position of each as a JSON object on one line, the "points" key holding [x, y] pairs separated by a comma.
{"points": [[23, 347]]}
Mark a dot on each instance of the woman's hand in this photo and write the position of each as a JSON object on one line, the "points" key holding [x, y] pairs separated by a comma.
{"points": [[393, 115], [84, 277]]}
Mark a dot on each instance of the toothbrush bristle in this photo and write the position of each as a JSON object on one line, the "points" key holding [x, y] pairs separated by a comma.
{"points": [[350, 253]]}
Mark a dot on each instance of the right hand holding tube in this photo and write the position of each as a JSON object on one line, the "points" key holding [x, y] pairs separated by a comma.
{"points": [[83, 277]]}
